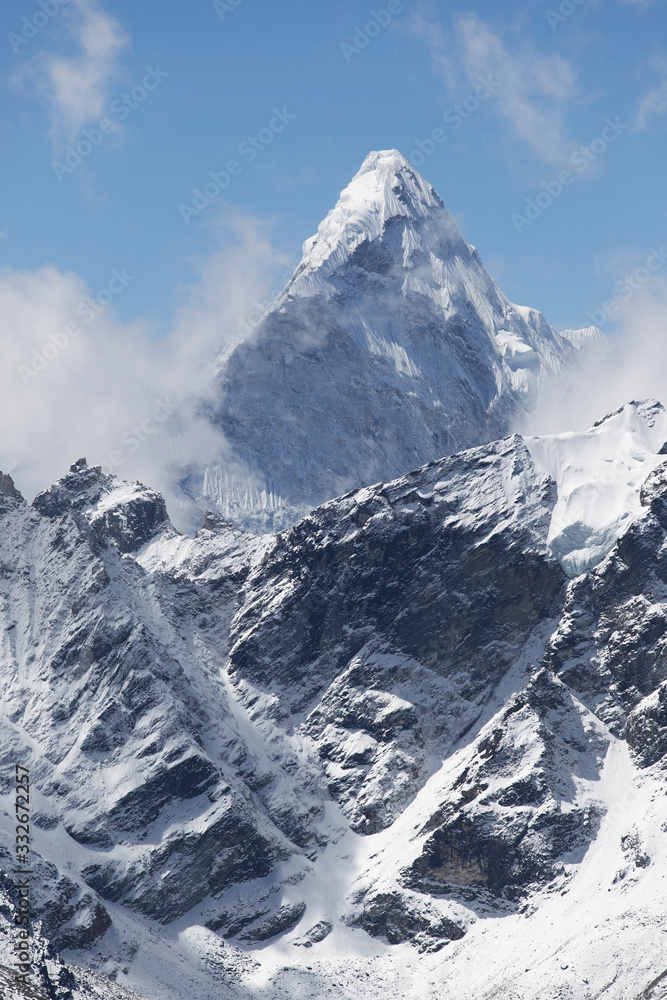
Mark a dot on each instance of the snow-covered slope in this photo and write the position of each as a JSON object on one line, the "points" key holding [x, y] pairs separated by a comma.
{"points": [[395, 747], [599, 474], [390, 346]]}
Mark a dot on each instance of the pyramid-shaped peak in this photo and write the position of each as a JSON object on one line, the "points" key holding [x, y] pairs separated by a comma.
{"points": [[386, 180], [385, 191], [390, 346]]}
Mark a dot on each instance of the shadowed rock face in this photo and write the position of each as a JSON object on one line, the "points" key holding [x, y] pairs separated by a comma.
{"points": [[505, 839], [434, 582], [646, 730], [610, 646], [131, 521], [123, 718], [49, 977], [229, 852], [448, 565], [399, 918]]}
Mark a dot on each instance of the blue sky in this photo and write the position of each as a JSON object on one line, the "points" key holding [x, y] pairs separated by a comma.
{"points": [[559, 77]]}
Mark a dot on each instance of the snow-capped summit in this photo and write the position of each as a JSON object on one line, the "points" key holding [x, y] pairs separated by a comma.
{"points": [[387, 192], [390, 346]]}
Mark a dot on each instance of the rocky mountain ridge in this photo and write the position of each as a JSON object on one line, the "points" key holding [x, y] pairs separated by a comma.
{"points": [[395, 734]]}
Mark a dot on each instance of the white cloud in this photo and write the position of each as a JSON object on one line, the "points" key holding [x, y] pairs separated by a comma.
{"points": [[654, 101], [232, 286], [535, 88], [634, 366], [92, 390], [76, 88]]}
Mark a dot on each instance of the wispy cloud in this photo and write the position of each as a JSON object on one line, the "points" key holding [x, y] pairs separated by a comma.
{"points": [[654, 101], [70, 394], [535, 88], [632, 365], [422, 24], [75, 88]]}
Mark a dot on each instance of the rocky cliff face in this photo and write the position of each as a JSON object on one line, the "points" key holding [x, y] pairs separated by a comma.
{"points": [[398, 732]]}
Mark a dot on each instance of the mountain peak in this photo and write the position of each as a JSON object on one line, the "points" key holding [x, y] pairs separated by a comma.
{"points": [[387, 159], [390, 165], [386, 197], [390, 346]]}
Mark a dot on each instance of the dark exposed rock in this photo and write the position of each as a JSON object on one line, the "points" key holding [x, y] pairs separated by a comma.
{"points": [[632, 847], [646, 731], [278, 922], [7, 488], [83, 934], [415, 541], [391, 632], [187, 867], [611, 643], [81, 487], [318, 932], [399, 917], [410, 572], [653, 494], [472, 846], [14, 990], [131, 520], [182, 780], [132, 523]]}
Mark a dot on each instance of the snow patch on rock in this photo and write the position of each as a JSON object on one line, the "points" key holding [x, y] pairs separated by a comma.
{"points": [[599, 474]]}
